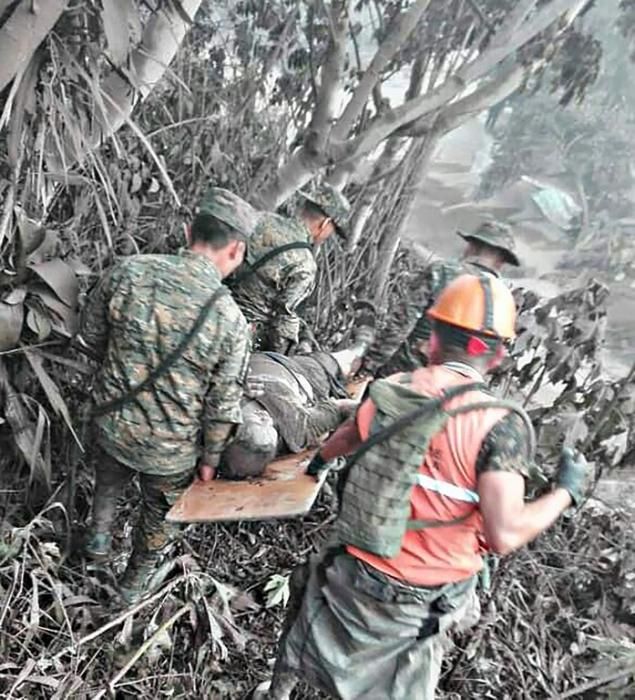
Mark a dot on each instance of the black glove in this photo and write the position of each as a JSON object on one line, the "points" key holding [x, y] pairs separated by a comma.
{"points": [[573, 470], [316, 466]]}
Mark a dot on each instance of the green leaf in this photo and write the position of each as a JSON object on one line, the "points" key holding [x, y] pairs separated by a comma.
{"points": [[31, 232], [15, 296], [277, 589], [38, 323], [68, 318], [24, 432], [45, 250]]}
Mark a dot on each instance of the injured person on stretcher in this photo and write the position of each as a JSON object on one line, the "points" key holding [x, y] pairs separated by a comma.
{"points": [[290, 404]]}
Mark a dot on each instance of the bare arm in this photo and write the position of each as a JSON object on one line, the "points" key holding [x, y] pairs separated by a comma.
{"points": [[509, 522]]}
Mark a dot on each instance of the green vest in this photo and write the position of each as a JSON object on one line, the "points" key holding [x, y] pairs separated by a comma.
{"points": [[375, 507]]}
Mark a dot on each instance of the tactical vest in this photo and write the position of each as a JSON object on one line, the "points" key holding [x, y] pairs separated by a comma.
{"points": [[376, 499]]}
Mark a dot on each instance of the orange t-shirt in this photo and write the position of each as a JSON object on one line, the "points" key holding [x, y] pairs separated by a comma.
{"points": [[439, 555]]}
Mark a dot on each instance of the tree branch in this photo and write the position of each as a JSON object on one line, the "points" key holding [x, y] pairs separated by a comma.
{"points": [[331, 78], [162, 37], [399, 31], [458, 112], [22, 33], [506, 42]]}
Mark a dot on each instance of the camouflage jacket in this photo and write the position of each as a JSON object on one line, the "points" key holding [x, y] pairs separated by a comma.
{"points": [[136, 315], [408, 324], [269, 297], [301, 409]]}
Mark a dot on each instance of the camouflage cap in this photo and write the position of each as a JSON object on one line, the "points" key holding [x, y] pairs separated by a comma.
{"points": [[333, 203], [497, 235], [230, 209]]}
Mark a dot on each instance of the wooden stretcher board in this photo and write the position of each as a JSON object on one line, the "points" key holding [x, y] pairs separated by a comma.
{"points": [[283, 491]]}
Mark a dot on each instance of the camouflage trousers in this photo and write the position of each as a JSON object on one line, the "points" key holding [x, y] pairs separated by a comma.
{"points": [[356, 633], [152, 532]]}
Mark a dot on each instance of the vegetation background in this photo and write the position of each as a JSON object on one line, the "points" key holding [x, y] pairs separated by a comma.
{"points": [[115, 116]]}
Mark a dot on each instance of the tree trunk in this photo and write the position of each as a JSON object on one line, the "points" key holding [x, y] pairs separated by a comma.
{"points": [[296, 172], [403, 198], [506, 42], [366, 199], [23, 32]]}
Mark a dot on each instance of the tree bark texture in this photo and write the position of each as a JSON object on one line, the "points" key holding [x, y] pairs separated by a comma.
{"points": [[400, 30], [293, 175], [345, 152], [400, 202], [21, 34], [331, 78], [506, 43]]}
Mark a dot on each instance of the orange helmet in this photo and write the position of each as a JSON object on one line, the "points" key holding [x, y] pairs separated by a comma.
{"points": [[482, 304]]}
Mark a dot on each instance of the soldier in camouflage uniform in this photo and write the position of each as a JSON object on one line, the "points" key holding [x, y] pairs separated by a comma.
{"points": [[270, 297], [489, 248], [136, 316]]}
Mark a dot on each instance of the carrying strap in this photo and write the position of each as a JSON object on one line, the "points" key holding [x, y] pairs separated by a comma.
{"points": [[285, 362], [445, 488], [404, 421], [264, 259], [457, 492], [166, 363], [178, 351]]}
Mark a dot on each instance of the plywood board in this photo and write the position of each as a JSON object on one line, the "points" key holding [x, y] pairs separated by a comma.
{"points": [[283, 491]]}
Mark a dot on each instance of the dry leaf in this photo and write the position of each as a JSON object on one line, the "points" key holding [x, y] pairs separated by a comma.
{"points": [[50, 388], [114, 16], [11, 320], [60, 278]]}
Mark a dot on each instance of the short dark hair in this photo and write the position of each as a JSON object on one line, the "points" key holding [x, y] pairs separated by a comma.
{"points": [[213, 232], [481, 247], [312, 210]]}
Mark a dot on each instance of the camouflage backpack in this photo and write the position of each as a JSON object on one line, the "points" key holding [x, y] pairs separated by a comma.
{"points": [[380, 476]]}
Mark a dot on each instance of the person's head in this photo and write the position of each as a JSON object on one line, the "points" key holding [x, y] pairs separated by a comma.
{"points": [[473, 320], [254, 446], [325, 212], [221, 229], [491, 244]]}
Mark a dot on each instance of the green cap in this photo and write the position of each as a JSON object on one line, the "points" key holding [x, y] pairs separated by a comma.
{"points": [[496, 235], [230, 209], [333, 203]]}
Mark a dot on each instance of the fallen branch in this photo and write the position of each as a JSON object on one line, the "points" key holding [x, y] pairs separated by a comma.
{"points": [[598, 682], [143, 648]]}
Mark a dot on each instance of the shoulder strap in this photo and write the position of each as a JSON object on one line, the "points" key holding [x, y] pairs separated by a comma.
{"points": [[166, 363], [178, 351], [257, 264], [403, 422]]}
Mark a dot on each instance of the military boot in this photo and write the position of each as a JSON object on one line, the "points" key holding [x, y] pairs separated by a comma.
{"points": [[135, 582]]}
